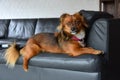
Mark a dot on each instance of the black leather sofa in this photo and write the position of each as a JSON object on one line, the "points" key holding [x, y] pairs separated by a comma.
{"points": [[57, 66]]}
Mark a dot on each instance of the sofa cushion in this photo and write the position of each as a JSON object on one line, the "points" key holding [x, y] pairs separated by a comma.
{"points": [[84, 63], [46, 25], [21, 28], [4, 28]]}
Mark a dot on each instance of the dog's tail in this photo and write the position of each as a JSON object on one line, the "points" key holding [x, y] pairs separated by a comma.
{"points": [[11, 55]]}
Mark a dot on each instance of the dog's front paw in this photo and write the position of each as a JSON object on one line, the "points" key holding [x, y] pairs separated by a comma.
{"points": [[98, 52]]}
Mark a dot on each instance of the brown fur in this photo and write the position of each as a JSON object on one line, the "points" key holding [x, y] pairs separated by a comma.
{"points": [[12, 54], [60, 42]]}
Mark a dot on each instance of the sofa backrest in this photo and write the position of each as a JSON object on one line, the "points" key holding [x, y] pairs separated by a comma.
{"points": [[46, 25], [4, 28], [25, 28], [92, 16]]}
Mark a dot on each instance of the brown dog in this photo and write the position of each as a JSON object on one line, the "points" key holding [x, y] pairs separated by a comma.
{"points": [[66, 41]]}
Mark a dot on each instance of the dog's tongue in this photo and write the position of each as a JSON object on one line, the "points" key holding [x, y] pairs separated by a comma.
{"points": [[75, 38]]}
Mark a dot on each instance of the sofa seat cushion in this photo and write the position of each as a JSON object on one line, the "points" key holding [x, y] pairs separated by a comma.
{"points": [[84, 63]]}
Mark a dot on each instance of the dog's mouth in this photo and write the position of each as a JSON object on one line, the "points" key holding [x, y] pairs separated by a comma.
{"points": [[73, 31]]}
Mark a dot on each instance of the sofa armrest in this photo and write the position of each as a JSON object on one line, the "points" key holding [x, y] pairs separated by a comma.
{"points": [[104, 35]]}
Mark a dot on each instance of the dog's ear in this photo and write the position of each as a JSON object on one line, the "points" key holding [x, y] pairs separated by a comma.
{"points": [[83, 20], [84, 23], [62, 17]]}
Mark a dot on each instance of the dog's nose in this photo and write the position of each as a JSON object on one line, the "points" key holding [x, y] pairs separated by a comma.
{"points": [[73, 28]]}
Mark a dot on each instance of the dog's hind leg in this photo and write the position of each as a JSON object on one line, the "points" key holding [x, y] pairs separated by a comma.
{"points": [[29, 51], [25, 63]]}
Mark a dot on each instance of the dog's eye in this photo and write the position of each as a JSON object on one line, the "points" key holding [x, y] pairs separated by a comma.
{"points": [[77, 22], [68, 24]]}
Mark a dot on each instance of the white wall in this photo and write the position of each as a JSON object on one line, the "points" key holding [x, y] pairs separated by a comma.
{"points": [[43, 8]]}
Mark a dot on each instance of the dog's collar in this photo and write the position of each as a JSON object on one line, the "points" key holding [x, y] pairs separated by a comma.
{"points": [[76, 39]]}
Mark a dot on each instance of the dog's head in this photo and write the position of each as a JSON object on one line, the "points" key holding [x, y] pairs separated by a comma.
{"points": [[72, 24]]}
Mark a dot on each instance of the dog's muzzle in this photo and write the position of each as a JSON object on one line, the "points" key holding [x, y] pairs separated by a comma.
{"points": [[73, 30]]}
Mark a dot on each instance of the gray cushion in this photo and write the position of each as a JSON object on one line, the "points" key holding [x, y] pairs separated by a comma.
{"points": [[21, 29], [4, 28], [46, 25]]}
